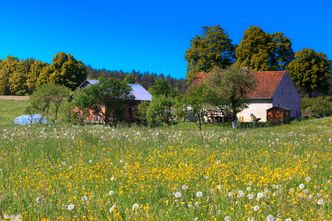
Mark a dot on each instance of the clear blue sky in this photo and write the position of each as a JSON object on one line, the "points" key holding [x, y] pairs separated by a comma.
{"points": [[150, 35]]}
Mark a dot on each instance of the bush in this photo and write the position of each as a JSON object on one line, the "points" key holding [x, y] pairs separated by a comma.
{"points": [[316, 107], [160, 111]]}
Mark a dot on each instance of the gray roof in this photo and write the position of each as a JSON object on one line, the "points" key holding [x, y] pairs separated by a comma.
{"points": [[139, 92]]}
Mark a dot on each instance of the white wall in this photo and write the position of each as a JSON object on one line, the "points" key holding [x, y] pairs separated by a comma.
{"points": [[286, 96], [257, 109]]}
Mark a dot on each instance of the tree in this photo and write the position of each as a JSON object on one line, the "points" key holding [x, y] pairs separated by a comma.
{"points": [[18, 79], [68, 71], [161, 87], [33, 75], [160, 111], [310, 71], [7, 68], [110, 94], [212, 48], [261, 51], [231, 85], [195, 102], [46, 96]]}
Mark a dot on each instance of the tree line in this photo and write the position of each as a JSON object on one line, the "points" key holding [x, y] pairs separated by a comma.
{"points": [[259, 51], [22, 77]]}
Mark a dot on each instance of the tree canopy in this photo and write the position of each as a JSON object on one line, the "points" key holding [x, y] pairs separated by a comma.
{"points": [[212, 48], [229, 88], [261, 51], [310, 71]]}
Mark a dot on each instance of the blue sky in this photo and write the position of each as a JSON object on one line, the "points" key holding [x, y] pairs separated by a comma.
{"points": [[150, 35]]}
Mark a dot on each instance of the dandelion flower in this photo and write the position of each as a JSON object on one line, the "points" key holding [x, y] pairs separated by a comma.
{"points": [[301, 186], [184, 187], [250, 196], [241, 194], [177, 195], [227, 218], [112, 208], [320, 202], [308, 179], [70, 207], [199, 194], [111, 193], [256, 208], [90, 161], [135, 206], [288, 219], [270, 218], [84, 198]]}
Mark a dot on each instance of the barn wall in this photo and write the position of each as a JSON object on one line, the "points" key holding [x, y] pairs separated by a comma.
{"points": [[286, 96], [258, 109]]}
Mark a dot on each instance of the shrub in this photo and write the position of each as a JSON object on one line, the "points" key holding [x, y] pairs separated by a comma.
{"points": [[316, 107]]}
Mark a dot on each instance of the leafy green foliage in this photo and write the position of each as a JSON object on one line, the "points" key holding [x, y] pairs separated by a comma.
{"points": [[310, 71], [316, 107], [228, 88], [18, 79], [161, 87], [261, 51], [7, 68], [66, 70], [160, 111], [46, 96], [212, 48], [194, 103], [107, 99]]}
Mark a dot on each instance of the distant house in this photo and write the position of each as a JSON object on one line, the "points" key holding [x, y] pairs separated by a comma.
{"points": [[274, 92], [138, 91], [273, 89]]}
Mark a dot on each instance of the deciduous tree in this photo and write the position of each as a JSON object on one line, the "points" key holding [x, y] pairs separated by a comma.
{"points": [[212, 48], [231, 86], [8, 66], [261, 51], [310, 71]]}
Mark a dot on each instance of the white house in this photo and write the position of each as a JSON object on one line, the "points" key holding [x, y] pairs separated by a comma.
{"points": [[273, 89]]}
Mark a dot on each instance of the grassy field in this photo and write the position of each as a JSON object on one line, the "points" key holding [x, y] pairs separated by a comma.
{"points": [[63, 172], [9, 109]]}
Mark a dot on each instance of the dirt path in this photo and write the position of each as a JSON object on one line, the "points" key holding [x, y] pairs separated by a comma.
{"points": [[14, 98]]}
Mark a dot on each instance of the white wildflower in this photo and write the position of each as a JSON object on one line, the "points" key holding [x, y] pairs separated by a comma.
{"points": [[112, 178], [199, 194], [248, 189], [135, 206], [301, 186], [227, 218], [250, 196], [70, 207], [256, 208], [38, 199], [270, 218], [90, 161], [241, 194], [84, 198], [177, 195], [320, 202], [288, 219], [112, 208], [184, 187], [308, 179], [111, 193]]}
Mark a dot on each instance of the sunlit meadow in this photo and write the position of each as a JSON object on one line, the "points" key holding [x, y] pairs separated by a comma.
{"points": [[177, 173]]}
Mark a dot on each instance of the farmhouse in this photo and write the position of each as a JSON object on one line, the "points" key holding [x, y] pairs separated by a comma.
{"points": [[274, 99], [275, 92], [138, 91]]}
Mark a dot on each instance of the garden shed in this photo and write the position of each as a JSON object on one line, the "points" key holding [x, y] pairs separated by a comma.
{"points": [[278, 115]]}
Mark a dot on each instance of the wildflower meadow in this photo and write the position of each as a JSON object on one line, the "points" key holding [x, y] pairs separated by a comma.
{"points": [[62, 172]]}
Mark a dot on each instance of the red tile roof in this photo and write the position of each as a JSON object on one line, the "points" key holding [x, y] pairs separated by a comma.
{"points": [[267, 83]]}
